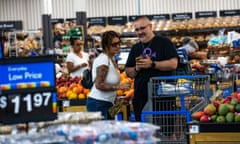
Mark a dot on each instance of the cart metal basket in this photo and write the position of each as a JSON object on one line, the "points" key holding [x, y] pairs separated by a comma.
{"points": [[171, 100]]}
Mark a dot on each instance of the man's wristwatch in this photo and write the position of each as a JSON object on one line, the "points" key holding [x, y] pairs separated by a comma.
{"points": [[153, 65]]}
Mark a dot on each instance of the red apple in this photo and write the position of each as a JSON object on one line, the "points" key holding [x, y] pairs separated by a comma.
{"points": [[205, 118]]}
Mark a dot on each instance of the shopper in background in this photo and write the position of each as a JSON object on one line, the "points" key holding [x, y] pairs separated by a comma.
{"points": [[77, 59], [106, 76], [58, 32], [194, 55], [192, 49], [151, 56]]}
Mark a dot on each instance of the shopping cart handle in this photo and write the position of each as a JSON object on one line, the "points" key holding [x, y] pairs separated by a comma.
{"points": [[181, 76]]}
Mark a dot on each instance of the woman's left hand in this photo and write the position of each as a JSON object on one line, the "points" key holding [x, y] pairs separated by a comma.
{"points": [[125, 86]]}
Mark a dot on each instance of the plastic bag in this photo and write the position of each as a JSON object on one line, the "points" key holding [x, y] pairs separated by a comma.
{"points": [[115, 109]]}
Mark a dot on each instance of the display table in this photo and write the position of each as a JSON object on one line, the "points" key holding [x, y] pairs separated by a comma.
{"points": [[79, 105], [212, 133]]}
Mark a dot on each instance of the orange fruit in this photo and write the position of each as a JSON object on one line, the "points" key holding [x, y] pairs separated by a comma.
{"points": [[88, 94], [78, 89], [86, 91], [72, 96], [82, 96], [72, 85], [119, 93], [130, 93], [123, 75]]}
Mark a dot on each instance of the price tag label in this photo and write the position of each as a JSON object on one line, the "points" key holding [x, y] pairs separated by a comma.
{"points": [[193, 129], [66, 103], [28, 107]]}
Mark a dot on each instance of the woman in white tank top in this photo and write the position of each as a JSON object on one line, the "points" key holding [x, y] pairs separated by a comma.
{"points": [[106, 76]]}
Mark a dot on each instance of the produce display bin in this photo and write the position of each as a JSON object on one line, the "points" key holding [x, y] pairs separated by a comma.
{"points": [[80, 106], [214, 133], [72, 105], [171, 100]]}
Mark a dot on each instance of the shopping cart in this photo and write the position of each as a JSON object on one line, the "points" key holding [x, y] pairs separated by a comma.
{"points": [[183, 67], [171, 100]]}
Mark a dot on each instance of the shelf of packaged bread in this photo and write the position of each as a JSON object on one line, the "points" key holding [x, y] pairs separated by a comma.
{"points": [[185, 31]]}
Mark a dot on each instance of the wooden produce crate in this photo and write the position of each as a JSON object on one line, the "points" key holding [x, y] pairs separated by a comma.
{"points": [[75, 109], [125, 111], [213, 133]]}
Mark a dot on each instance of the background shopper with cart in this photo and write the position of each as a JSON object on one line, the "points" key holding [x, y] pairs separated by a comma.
{"points": [[151, 56]]}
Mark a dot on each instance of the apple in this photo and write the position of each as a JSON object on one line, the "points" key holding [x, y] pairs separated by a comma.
{"points": [[205, 118], [234, 95]]}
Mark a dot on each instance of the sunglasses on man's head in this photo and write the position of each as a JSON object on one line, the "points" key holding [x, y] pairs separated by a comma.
{"points": [[140, 28], [115, 44]]}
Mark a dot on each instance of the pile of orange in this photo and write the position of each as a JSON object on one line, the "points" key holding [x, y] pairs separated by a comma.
{"points": [[129, 93]]}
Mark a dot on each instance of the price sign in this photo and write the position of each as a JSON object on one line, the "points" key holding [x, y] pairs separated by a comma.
{"points": [[27, 107], [193, 129], [27, 90]]}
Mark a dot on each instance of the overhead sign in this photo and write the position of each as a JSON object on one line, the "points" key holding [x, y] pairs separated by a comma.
{"points": [[205, 14], [57, 20], [229, 12], [133, 18], [71, 19], [182, 16], [11, 25], [101, 21], [159, 17], [117, 20]]}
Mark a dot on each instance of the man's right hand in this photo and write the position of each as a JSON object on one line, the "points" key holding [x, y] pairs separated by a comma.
{"points": [[143, 63]]}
